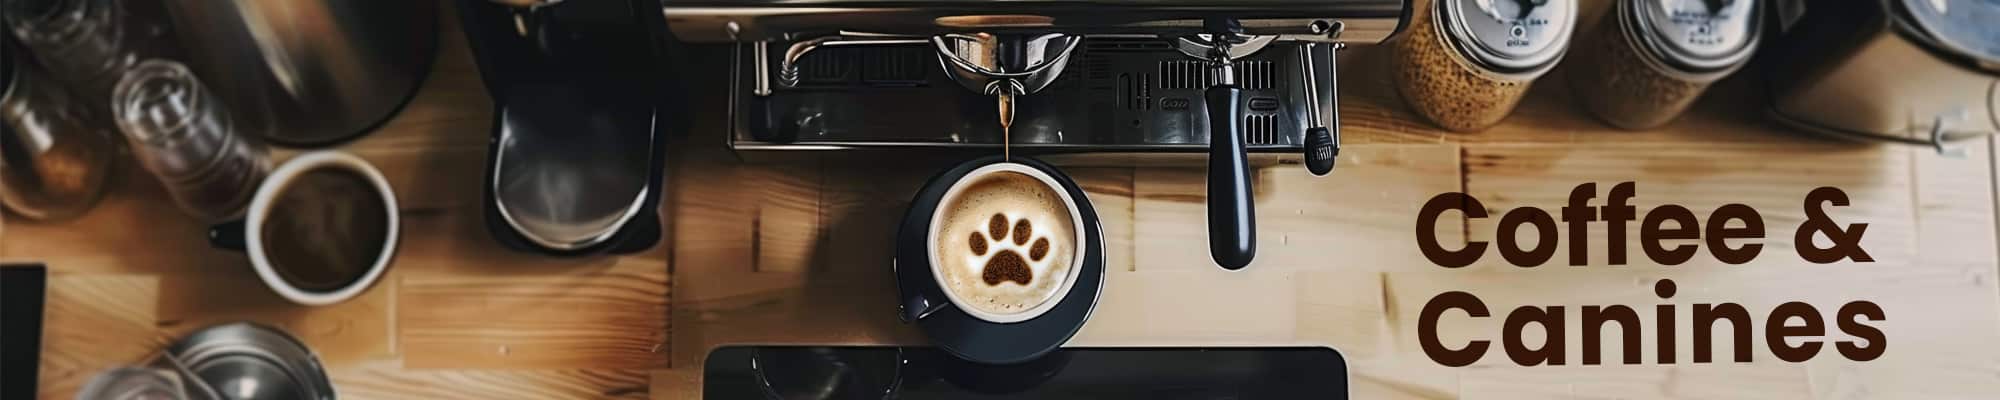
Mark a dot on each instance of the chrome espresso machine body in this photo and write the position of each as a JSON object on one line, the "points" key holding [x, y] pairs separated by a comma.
{"points": [[1095, 82], [867, 75]]}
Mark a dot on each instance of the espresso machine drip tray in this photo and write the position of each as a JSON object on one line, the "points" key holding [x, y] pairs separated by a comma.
{"points": [[880, 372], [1119, 94]]}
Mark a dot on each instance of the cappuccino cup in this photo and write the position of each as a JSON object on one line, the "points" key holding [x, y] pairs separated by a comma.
{"points": [[320, 229], [1006, 243]]}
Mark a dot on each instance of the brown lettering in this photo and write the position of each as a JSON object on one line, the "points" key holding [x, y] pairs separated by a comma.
{"points": [[1510, 245], [1719, 233], [1551, 351], [1846, 240], [1651, 234], [1778, 327], [1704, 329], [1427, 220], [1578, 214], [1593, 325], [1616, 212], [1664, 316], [1427, 329], [1877, 343]]}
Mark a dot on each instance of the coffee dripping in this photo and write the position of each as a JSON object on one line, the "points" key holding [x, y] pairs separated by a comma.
{"points": [[1140, 83]]}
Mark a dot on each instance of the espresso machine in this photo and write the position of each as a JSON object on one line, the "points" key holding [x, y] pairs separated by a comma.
{"points": [[1107, 82]]}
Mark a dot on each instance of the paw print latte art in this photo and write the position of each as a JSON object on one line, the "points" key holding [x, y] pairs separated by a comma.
{"points": [[1005, 244], [1007, 264]]}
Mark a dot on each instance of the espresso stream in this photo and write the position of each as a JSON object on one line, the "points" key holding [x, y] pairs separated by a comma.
{"points": [[325, 230], [1006, 243]]}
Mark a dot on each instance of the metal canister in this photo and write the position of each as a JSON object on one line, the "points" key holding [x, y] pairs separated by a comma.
{"points": [[1466, 63], [1648, 60]]}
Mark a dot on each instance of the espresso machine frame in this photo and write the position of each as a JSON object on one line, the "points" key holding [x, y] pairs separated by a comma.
{"points": [[1228, 54]]}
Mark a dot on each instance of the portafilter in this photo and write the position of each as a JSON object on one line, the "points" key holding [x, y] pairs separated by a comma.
{"points": [[1004, 66], [1232, 218]]}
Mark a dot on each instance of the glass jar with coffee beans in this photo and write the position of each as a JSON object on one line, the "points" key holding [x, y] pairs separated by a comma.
{"points": [[1465, 64], [1648, 60], [54, 161]]}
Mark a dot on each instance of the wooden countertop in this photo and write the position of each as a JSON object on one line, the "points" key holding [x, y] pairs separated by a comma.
{"points": [[796, 253]]}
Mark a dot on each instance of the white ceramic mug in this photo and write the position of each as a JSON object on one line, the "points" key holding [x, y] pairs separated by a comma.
{"points": [[247, 234], [1076, 223]]}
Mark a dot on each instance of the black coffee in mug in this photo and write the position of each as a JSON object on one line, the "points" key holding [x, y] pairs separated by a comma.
{"points": [[326, 229]]}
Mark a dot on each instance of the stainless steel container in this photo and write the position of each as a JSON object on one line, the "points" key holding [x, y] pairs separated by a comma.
{"points": [[251, 361], [310, 72], [1910, 71], [1466, 63], [1648, 60]]}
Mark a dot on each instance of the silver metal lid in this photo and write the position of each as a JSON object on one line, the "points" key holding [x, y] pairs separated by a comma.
{"points": [[1969, 29], [1695, 36], [253, 362], [1508, 36]]}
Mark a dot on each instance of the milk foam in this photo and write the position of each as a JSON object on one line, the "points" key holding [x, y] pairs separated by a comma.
{"points": [[1016, 197]]}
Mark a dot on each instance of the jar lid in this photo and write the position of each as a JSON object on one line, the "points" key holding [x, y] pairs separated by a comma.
{"points": [[1696, 35], [1963, 28], [1509, 36]]}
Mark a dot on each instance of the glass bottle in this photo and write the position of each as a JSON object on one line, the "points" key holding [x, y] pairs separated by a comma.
{"points": [[53, 161], [84, 43], [182, 134]]}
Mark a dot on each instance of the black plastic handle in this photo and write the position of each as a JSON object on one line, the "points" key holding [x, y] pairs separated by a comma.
{"points": [[1232, 223], [1321, 149], [227, 235], [916, 306], [915, 303]]}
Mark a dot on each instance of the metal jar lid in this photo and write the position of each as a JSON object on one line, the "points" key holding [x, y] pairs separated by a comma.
{"points": [[1508, 36], [1694, 36], [1969, 30], [250, 361]]}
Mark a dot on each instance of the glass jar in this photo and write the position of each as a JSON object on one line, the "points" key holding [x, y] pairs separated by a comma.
{"points": [[1466, 63], [84, 43], [182, 134], [53, 161], [1648, 60]]}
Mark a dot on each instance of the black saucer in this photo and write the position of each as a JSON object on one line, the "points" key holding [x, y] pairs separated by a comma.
{"points": [[974, 339]]}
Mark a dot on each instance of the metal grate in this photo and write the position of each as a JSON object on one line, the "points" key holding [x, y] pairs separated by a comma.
{"points": [[1135, 92], [1193, 74], [1125, 45], [823, 67], [900, 65], [1260, 129], [1255, 75], [1183, 74]]}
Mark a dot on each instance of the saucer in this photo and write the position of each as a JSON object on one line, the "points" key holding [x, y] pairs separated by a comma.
{"points": [[977, 340]]}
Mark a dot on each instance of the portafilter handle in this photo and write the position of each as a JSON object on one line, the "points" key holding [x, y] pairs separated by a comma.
{"points": [[1232, 218]]}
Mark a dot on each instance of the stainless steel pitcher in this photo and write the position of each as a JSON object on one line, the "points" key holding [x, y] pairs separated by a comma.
{"points": [[309, 72]]}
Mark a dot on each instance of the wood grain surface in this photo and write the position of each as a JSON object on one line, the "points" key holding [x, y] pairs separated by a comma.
{"points": [[799, 253]]}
